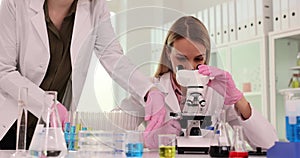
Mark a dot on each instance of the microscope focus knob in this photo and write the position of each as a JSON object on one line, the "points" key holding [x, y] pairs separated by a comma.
{"points": [[202, 103]]}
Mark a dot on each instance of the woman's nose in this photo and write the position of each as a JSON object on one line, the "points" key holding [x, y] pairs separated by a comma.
{"points": [[189, 67], [195, 66]]}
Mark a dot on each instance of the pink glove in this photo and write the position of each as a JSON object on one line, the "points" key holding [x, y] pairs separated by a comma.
{"points": [[155, 110], [222, 83], [63, 115], [151, 135]]}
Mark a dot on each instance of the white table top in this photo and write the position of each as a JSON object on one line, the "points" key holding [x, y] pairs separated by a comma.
{"points": [[147, 154]]}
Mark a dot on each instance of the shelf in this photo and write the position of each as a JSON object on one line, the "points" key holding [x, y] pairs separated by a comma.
{"points": [[293, 33], [249, 94], [289, 90], [295, 68], [281, 66]]}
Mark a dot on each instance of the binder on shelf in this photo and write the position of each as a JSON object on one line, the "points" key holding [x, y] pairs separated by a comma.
{"points": [[218, 15], [264, 20], [225, 22], [277, 15], [285, 14], [200, 15], [212, 24], [245, 19], [205, 17], [251, 18], [232, 20], [240, 19], [294, 11]]}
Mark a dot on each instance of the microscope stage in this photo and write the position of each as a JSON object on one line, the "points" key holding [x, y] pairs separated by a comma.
{"points": [[193, 144]]}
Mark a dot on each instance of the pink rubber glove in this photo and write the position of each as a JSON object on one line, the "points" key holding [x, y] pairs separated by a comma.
{"points": [[222, 83], [151, 136], [155, 110], [63, 115]]}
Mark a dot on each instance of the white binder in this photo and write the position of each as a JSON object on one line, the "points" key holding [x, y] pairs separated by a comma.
{"points": [[277, 15], [225, 22], [232, 20], [240, 19], [219, 23], [205, 17], [251, 29], [294, 11], [200, 16], [245, 19], [264, 16], [285, 14], [212, 24]]}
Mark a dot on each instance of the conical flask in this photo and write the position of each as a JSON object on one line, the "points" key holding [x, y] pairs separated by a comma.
{"points": [[224, 139], [221, 144], [238, 148], [48, 139], [21, 124]]}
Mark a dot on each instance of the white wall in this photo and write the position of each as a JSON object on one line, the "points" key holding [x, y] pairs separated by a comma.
{"points": [[134, 20]]}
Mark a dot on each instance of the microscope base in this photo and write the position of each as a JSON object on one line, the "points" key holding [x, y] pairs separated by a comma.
{"points": [[193, 144]]}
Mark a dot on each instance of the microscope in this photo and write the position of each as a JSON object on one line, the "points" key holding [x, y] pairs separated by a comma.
{"points": [[194, 118]]}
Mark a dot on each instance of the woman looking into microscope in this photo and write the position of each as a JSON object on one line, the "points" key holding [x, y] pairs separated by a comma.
{"points": [[188, 44]]}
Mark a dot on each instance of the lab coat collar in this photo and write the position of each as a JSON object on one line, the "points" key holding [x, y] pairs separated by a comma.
{"points": [[38, 21], [81, 25], [170, 99], [37, 5]]}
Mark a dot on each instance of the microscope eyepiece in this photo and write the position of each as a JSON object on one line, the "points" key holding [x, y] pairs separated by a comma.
{"points": [[179, 67]]}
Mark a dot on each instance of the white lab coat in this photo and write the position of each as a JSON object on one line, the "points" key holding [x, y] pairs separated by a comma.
{"points": [[24, 54], [258, 131]]}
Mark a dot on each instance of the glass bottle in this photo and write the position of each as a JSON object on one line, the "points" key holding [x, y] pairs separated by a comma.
{"points": [[298, 59], [48, 139], [222, 146], [295, 81], [238, 148], [21, 124]]}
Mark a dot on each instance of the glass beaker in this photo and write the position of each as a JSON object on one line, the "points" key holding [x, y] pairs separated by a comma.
{"points": [[21, 124], [221, 144], [292, 113], [48, 139], [166, 144], [238, 149], [134, 144]]}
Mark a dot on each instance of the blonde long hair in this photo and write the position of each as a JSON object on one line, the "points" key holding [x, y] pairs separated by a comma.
{"points": [[187, 27]]}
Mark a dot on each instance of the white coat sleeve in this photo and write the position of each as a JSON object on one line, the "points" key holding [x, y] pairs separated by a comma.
{"points": [[133, 107], [10, 77], [257, 129], [111, 56]]}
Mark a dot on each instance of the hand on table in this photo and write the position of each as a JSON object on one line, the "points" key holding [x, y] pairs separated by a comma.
{"points": [[151, 134]]}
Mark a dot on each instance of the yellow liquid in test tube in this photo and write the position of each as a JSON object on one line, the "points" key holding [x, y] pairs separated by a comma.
{"points": [[78, 128], [167, 151]]}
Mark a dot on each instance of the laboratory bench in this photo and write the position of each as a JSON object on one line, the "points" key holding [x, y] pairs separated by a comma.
{"points": [[147, 154]]}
